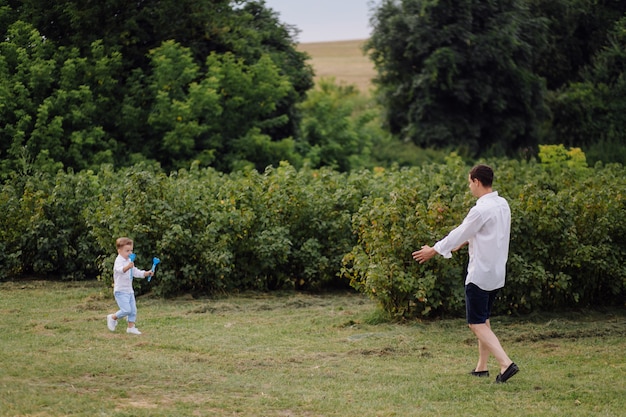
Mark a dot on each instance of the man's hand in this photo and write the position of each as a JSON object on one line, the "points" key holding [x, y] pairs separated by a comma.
{"points": [[424, 254]]}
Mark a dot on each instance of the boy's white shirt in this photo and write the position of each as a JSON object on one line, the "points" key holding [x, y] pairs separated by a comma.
{"points": [[122, 281]]}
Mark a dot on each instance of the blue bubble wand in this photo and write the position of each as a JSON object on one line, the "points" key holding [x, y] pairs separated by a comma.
{"points": [[155, 262], [132, 258]]}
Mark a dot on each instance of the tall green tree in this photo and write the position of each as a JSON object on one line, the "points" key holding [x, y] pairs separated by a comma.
{"points": [[459, 73], [577, 31], [335, 130], [53, 102], [591, 113], [84, 83]]}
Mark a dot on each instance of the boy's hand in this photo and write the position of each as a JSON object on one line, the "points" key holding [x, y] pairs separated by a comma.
{"points": [[148, 274], [129, 266]]}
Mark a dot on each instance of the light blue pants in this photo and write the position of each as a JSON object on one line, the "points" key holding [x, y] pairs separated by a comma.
{"points": [[127, 305]]}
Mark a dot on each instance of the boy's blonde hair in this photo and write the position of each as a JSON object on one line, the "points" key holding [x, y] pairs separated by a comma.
{"points": [[123, 241]]}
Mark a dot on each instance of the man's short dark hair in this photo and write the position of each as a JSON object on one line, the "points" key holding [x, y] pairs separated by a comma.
{"points": [[482, 173]]}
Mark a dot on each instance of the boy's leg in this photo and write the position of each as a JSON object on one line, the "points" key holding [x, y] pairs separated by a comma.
{"points": [[124, 304], [132, 305]]}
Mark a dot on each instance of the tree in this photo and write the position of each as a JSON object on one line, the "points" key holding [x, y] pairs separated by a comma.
{"points": [[53, 102], [592, 113], [89, 82], [459, 73], [333, 134], [577, 31]]}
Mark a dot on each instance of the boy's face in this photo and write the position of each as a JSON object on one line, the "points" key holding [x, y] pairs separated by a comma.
{"points": [[125, 251]]}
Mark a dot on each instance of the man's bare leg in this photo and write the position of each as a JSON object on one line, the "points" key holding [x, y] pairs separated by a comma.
{"points": [[483, 355], [488, 343]]}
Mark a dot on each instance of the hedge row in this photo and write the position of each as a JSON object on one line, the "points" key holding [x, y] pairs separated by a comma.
{"points": [[320, 229], [213, 232], [568, 238]]}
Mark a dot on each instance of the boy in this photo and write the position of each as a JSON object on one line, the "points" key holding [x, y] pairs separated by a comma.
{"points": [[123, 272]]}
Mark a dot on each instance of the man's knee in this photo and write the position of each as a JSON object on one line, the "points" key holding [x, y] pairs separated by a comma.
{"points": [[476, 326]]}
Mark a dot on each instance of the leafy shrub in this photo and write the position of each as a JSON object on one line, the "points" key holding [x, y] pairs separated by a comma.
{"points": [[43, 232], [407, 209], [317, 229], [216, 233], [567, 237]]}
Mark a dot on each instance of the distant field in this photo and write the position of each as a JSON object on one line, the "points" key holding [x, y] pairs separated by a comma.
{"points": [[343, 60]]}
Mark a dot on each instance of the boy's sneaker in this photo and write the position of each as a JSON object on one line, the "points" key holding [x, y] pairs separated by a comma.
{"points": [[111, 324], [133, 330]]}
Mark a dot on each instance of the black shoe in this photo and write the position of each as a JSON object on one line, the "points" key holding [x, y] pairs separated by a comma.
{"points": [[510, 371], [479, 373]]}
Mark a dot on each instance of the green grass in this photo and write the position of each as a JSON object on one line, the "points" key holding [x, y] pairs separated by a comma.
{"points": [[291, 355]]}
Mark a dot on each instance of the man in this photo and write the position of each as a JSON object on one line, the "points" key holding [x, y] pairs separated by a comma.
{"points": [[486, 228]]}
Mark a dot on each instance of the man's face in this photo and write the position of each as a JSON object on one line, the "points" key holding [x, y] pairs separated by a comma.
{"points": [[473, 185], [125, 251]]}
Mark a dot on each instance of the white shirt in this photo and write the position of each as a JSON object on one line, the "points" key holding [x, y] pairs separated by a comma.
{"points": [[487, 228], [122, 281]]}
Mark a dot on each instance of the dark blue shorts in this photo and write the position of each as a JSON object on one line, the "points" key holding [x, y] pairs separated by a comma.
{"points": [[478, 303]]}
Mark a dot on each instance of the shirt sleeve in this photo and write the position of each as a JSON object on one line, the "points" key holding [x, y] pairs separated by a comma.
{"points": [[461, 234], [118, 267], [138, 273]]}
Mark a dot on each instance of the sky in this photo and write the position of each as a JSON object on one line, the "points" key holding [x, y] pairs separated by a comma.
{"points": [[325, 20]]}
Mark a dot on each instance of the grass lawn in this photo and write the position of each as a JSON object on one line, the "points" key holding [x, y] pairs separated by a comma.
{"points": [[291, 355], [343, 60]]}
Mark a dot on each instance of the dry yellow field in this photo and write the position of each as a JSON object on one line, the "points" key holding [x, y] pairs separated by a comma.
{"points": [[343, 60]]}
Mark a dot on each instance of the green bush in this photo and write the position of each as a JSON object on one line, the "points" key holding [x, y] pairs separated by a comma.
{"points": [[567, 238], [408, 208], [281, 229], [43, 232], [318, 229]]}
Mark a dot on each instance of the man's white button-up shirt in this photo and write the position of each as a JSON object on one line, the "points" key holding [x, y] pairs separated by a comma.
{"points": [[487, 229]]}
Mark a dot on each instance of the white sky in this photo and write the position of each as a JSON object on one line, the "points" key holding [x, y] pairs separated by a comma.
{"points": [[325, 20]]}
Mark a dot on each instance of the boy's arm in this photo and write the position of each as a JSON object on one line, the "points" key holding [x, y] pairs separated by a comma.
{"points": [[140, 273]]}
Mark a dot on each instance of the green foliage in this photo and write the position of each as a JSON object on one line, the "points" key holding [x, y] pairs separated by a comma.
{"points": [[459, 75], [578, 30], [405, 210], [53, 103], [216, 233], [184, 110], [318, 229], [84, 84], [566, 237], [556, 157], [43, 231], [249, 97], [591, 113], [338, 128], [342, 128]]}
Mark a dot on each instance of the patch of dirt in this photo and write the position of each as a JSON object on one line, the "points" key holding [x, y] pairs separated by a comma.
{"points": [[570, 334]]}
